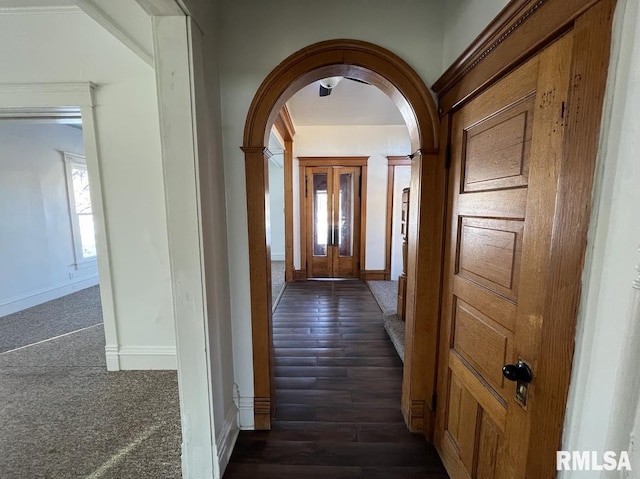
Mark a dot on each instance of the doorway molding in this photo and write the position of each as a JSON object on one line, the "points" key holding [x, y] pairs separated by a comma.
{"points": [[387, 71], [392, 162], [361, 162], [67, 98]]}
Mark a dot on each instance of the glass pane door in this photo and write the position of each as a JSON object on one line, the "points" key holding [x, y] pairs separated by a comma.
{"points": [[345, 214], [333, 221], [321, 214]]}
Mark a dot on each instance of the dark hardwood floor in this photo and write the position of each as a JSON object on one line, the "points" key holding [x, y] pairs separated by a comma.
{"points": [[338, 383]]}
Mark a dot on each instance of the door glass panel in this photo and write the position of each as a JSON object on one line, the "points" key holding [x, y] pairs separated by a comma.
{"points": [[320, 214], [345, 215]]}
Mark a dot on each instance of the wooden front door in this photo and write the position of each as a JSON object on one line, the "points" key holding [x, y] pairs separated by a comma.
{"points": [[506, 147], [333, 221]]}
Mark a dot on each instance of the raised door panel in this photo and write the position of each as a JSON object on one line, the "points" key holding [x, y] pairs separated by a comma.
{"points": [[497, 149], [482, 343], [498, 159], [489, 253]]}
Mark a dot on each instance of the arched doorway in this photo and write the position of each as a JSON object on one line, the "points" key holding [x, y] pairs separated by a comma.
{"points": [[392, 75]]}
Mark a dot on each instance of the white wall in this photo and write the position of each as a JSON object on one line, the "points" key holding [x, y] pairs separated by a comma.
{"points": [[401, 180], [375, 141], [36, 242], [412, 28], [70, 47], [463, 22], [206, 99], [603, 397], [276, 202]]}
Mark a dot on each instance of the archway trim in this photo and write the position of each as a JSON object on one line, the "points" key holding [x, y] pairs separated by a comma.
{"points": [[387, 71]]}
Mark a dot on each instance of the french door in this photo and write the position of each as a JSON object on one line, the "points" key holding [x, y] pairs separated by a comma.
{"points": [[333, 221]]}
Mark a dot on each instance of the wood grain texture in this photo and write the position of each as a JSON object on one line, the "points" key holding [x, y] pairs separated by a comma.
{"points": [[330, 263], [288, 211], [388, 222], [392, 162], [337, 393], [424, 252], [525, 28], [398, 80], [546, 160], [398, 161], [481, 45], [284, 124], [257, 178], [374, 274], [571, 41], [590, 59], [355, 59], [302, 212], [326, 161], [363, 219]]}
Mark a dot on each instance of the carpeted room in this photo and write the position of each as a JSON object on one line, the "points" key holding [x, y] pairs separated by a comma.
{"points": [[64, 415]]}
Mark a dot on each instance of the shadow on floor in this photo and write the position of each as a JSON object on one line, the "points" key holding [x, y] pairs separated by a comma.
{"points": [[64, 416], [338, 384]]}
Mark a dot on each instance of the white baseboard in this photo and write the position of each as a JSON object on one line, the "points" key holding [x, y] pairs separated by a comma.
{"points": [[141, 358], [277, 256], [113, 360], [227, 438], [245, 413], [34, 298]]}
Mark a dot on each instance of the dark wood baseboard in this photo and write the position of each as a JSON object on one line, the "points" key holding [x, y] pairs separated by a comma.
{"points": [[373, 275], [300, 275]]}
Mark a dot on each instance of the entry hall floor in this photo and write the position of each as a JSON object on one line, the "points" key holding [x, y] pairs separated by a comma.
{"points": [[338, 383]]}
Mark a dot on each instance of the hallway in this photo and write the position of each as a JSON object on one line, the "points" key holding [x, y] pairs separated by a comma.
{"points": [[338, 383]]}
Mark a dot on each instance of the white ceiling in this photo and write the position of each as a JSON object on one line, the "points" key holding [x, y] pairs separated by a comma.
{"points": [[350, 103]]}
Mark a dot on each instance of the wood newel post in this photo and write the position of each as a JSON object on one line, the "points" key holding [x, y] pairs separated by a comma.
{"points": [[257, 184]]}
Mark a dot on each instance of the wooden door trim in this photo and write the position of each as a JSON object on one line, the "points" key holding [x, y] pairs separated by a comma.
{"points": [[519, 31], [328, 162], [289, 274], [392, 162], [363, 219], [387, 71], [333, 160], [511, 40], [302, 274], [284, 125]]}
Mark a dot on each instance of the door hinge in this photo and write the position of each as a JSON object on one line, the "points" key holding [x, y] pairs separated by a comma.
{"points": [[306, 185], [447, 157], [434, 401], [360, 185]]}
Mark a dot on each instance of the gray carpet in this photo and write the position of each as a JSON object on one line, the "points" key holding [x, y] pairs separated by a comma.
{"points": [[63, 415], [277, 282], [386, 294], [60, 316]]}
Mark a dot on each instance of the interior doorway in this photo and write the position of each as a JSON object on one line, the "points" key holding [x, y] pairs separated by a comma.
{"points": [[385, 70], [72, 103], [332, 202]]}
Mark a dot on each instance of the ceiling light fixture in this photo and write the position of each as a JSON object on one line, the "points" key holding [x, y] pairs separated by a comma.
{"points": [[330, 82]]}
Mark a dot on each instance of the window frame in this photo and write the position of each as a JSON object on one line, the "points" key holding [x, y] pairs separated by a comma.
{"points": [[76, 161]]}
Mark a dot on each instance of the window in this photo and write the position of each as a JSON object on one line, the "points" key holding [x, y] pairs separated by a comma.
{"points": [[84, 239]]}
